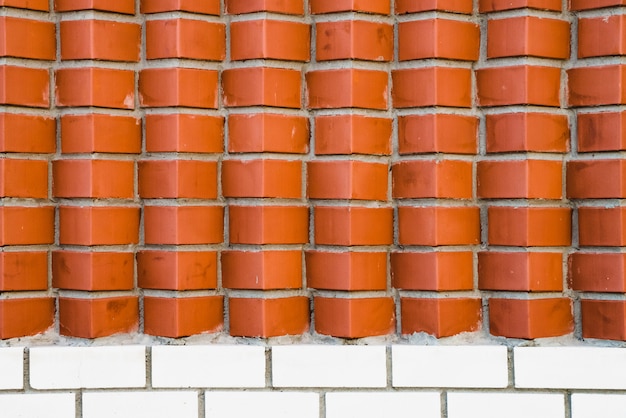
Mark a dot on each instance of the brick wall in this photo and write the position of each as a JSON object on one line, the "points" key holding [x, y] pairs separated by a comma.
{"points": [[321, 168]]}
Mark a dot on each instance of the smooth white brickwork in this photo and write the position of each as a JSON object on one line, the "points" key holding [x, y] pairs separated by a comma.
{"points": [[570, 367], [445, 366], [329, 366], [383, 404], [178, 404], [11, 368], [312, 381], [220, 366], [44, 405], [87, 367], [261, 404], [509, 405]]}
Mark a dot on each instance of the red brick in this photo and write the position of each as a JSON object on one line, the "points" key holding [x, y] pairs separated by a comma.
{"points": [[293, 7], [262, 270], [27, 38], [537, 132], [189, 87], [603, 319], [353, 225], [366, 6], [438, 225], [185, 38], [355, 180], [93, 178], [262, 178], [440, 317], [23, 270], [177, 270], [178, 225], [599, 36], [25, 316], [100, 39], [529, 319], [528, 36], [182, 317], [179, 132], [98, 225], [118, 6], [602, 226], [354, 318], [349, 87], [188, 179], [414, 6], [346, 270], [24, 178], [22, 86], [256, 317], [354, 39], [587, 179], [593, 86], [268, 132], [432, 178], [432, 86], [101, 317], [259, 86], [100, 133], [522, 179], [268, 224], [41, 5], [594, 4], [519, 85], [437, 132], [597, 272], [99, 87], [40, 130], [209, 7], [352, 134], [438, 38], [486, 6], [26, 225], [604, 131], [520, 271], [257, 39], [530, 226], [439, 271], [93, 271]]}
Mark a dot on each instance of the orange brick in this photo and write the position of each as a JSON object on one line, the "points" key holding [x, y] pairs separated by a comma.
{"points": [[256, 317], [346, 270], [486, 6], [587, 179], [438, 38], [538, 132], [520, 271], [22, 86], [177, 270], [293, 7], [262, 270], [593, 86], [209, 7], [352, 134], [438, 225], [40, 131], [529, 319], [432, 86], [256, 39], [181, 317], [432, 178], [93, 178], [258, 86], [597, 272], [119, 6], [189, 87], [100, 39], [528, 179], [603, 319], [440, 271], [185, 38], [354, 39], [437, 132], [268, 132], [269, 224], [353, 225], [181, 132], [99, 87], [602, 226], [94, 318], [594, 4], [179, 225], [440, 317], [530, 226], [23, 270], [188, 179], [329, 89], [262, 178], [528, 36], [98, 225], [100, 133], [523, 85], [604, 131], [25, 316], [26, 225], [366, 6], [27, 38], [414, 6], [93, 271], [41, 5], [356, 180], [24, 178], [354, 318]]}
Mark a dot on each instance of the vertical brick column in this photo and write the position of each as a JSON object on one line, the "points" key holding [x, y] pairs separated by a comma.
{"points": [[262, 171], [348, 181], [94, 174], [27, 141], [183, 220], [595, 175], [529, 223], [437, 222]]}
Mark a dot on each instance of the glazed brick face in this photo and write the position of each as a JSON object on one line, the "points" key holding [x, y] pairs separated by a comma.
{"points": [[322, 171]]}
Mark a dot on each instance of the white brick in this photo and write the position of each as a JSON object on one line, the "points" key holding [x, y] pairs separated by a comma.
{"points": [[87, 367], [261, 404], [11, 368], [383, 404], [329, 366], [586, 405], [570, 367], [45, 405], [140, 404], [509, 405], [221, 366], [448, 366]]}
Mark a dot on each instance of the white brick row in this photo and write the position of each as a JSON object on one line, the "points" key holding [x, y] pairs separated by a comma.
{"points": [[509, 405], [11, 368], [339, 366], [157, 404], [449, 366], [261, 405], [44, 405], [570, 367], [219, 366], [585, 405], [87, 367], [383, 404]]}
